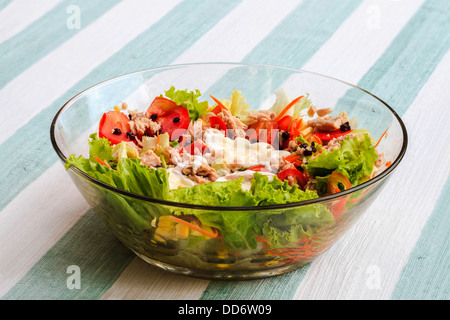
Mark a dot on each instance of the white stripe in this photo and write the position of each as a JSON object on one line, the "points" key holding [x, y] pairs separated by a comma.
{"points": [[143, 281], [383, 239], [21, 13], [72, 61], [230, 40]]}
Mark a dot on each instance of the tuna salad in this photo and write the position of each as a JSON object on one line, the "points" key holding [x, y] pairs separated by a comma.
{"points": [[227, 153]]}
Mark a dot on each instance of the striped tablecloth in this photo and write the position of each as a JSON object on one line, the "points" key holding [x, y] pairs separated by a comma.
{"points": [[52, 49]]}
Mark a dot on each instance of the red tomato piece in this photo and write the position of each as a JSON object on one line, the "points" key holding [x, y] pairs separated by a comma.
{"points": [[284, 123], [173, 119], [327, 136], [114, 126], [291, 126], [264, 131], [160, 106], [294, 173], [335, 179], [258, 168], [197, 145], [217, 123]]}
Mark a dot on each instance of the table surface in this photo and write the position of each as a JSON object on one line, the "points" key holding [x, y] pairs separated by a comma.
{"points": [[51, 50]]}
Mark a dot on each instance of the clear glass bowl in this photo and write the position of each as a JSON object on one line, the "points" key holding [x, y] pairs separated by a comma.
{"points": [[134, 218]]}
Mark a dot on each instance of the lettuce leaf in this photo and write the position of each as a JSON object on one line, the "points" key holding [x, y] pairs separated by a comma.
{"points": [[223, 193], [271, 192], [132, 177], [100, 147], [188, 99], [129, 176], [284, 228], [282, 99], [238, 107], [238, 228], [287, 228], [355, 160]]}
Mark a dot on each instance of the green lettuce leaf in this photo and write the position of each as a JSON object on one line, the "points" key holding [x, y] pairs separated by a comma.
{"points": [[286, 228], [238, 228], [100, 147], [188, 99], [271, 192], [224, 193], [129, 176], [355, 160]]}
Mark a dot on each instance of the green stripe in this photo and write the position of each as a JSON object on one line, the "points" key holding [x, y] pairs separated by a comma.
{"points": [[425, 36], [82, 246], [426, 275], [45, 35], [292, 43], [175, 32], [281, 287], [4, 3]]}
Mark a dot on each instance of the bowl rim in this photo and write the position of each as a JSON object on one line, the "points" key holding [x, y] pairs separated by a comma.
{"points": [[326, 198]]}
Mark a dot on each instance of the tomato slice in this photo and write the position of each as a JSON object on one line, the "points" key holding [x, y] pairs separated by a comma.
{"points": [[327, 136], [285, 123], [290, 126], [264, 131], [335, 179], [294, 173], [217, 123], [160, 106], [196, 145], [317, 140], [114, 126], [173, 119], [258, 168]]}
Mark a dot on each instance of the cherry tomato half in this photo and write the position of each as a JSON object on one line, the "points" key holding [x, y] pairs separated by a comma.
{"points": [[284, 123], [173, 119], [294, 173], [114, 126], [197, 145], [264, 131], [218, 123]]}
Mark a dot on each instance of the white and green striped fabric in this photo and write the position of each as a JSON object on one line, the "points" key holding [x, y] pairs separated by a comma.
{"points": [[52, 49]]}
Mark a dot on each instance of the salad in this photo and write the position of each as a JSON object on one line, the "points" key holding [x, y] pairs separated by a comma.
{"points": [[229, 154]]}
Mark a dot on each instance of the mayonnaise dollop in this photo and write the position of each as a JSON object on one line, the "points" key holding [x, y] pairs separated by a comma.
{"points": [[240, 152]]}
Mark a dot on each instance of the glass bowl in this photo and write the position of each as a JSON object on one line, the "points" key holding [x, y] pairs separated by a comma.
{"points": [[136, 220]]}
